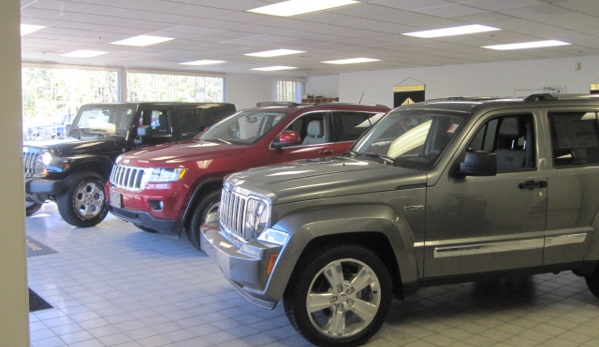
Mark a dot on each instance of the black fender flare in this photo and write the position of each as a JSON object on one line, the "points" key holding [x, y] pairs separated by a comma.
{"points": [[97, 163], [307, 225], [197, 196]]}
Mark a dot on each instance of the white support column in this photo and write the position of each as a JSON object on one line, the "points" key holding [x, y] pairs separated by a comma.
{"points": [[14, 302]]}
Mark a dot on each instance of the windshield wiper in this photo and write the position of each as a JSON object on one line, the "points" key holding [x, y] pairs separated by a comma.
{"points": [[386, 158]]}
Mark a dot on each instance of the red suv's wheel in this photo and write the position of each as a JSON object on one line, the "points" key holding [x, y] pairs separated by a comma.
{"points": [[206, 212]]}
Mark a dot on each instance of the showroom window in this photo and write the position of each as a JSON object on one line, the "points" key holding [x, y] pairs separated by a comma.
{"points": [[52, 96], [146, 86], [51, 91], [290, 91]]}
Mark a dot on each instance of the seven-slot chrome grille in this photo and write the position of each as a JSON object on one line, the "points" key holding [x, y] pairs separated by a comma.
{"points": [[30, 158], [129, 178], [232, 212]]}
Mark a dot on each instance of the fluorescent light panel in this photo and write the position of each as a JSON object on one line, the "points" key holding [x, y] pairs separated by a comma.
{"points": [[296, 7], [274, 53], [525, 45], [350, 61], [275, 68], [30, 28], [142, 40], [83, 54], [461, 30], [203, 62]]}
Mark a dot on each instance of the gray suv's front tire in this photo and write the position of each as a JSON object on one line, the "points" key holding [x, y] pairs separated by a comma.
{"points": [[338, 296], [83, 203]]}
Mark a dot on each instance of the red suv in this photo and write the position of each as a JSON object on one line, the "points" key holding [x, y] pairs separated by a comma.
{"points": [[174, 187]]}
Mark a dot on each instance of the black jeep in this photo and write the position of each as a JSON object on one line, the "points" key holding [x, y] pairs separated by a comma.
{"points": [[73, 170]]}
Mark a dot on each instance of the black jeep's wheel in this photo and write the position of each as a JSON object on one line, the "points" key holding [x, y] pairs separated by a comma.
{"points": [[83, 204], [206, 212], [339, 296], [593, 282], [31, 207]]}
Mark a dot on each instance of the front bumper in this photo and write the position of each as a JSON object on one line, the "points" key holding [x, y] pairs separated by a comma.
{"points": [[245, 267], [39, 189], [170, 228]]}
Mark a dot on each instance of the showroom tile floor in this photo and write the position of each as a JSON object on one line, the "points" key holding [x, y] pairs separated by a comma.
{"points": [[114, 285]]}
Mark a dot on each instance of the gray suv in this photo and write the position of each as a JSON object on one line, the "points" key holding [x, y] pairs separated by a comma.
{"points": [[438, 192]]}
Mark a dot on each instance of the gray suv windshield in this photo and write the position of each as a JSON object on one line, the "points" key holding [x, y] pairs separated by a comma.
{"points": [[409, 138]]}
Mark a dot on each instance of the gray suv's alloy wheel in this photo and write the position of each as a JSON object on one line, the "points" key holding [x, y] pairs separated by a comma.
{"points": [[83, 203], [338, 296]]}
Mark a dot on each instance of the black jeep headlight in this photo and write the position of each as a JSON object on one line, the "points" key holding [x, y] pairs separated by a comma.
{"points": [[42, 162], [47, 158]]}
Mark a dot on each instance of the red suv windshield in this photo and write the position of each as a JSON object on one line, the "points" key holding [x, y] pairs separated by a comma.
{"points": [[245, 127]]}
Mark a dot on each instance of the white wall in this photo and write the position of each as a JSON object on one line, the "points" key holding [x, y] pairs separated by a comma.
{"points": [[14, 304], [327, 86], [489, 79], [246, 90]]}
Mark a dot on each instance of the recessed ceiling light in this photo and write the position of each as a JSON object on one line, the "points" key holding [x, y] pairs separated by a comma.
{"points": [[142, 40], [275, 68], [203, 62], [525, 45], [83, 54], [274, 53], [294, 7], [461, 30], [350, 61], [29, 28]]}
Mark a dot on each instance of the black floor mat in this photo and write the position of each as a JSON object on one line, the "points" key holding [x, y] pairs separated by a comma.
{"points": [[36, 303], [35, 248]]}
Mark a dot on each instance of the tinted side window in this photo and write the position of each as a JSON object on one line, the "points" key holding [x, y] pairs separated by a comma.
{"points": [[574, 138], [158, 119], [312, 128], [511, 138], [213, 115], [350, 125], [190, 121]]}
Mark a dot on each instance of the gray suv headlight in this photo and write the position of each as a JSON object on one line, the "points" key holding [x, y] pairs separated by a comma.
{"points": [[257, 215]]}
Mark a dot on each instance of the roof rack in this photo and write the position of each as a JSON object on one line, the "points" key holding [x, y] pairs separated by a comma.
{"points": [[276, 103], [540, 97], [344, 104]]}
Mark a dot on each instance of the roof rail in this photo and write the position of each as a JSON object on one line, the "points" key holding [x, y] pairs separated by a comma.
{"points": [[345, 104], [276, 103], [539, 97]]}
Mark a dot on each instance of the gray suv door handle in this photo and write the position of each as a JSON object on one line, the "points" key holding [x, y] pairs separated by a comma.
{"points": [[530, 184]]}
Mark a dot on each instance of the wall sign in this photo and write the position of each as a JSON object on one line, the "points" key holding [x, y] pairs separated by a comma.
{"points": [[408, 94]]}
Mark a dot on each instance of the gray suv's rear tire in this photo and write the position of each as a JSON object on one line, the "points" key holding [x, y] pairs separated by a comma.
{"points": [[593, 282], [206, 212], [83, 203], [338, 296]]}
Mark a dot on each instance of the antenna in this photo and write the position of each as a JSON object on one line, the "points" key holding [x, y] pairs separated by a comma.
{"points": [[361, 96]]}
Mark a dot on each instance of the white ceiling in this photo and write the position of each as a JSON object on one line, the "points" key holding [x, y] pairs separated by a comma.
{"points": [[222, 30]]}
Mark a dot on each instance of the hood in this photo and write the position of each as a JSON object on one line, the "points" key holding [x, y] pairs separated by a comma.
{"points": [[175, 154], [329, 177], [71, 146]]}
